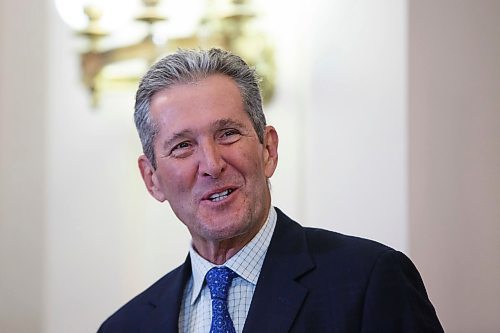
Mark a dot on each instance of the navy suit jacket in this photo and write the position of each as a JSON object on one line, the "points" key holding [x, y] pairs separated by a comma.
{"points": [[312, 280]]}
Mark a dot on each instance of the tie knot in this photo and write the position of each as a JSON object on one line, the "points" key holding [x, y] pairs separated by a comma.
{"points": [[218, 280]]}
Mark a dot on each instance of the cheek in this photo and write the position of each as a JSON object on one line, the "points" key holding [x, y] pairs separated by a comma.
{"points": [[176, 179], [245, 159], [252, 162]]}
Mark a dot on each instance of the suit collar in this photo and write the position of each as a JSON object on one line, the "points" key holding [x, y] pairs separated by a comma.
{"points": [[279, 296], [165, 316]]}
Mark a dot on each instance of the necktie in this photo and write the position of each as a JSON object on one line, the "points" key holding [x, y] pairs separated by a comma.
{"points": [[219, 280]]}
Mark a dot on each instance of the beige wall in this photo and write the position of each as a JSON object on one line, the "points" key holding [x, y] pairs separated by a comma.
{"points": [[454, 151], [23, 78], [355, 126]]}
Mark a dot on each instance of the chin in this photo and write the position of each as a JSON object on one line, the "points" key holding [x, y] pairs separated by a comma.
{"points": [[225, 230]]}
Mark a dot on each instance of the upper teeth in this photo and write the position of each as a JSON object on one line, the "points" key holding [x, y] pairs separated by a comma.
{"points": [[220, 195]]}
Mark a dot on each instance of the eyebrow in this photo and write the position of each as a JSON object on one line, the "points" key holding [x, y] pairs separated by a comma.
{"points": [[175, 137], [227, 122]]}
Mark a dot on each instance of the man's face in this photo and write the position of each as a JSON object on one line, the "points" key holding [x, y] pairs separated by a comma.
{"points": [[211, 167]]}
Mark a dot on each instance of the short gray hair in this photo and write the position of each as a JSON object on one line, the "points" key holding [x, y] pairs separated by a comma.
{"points": [[188, 66]]}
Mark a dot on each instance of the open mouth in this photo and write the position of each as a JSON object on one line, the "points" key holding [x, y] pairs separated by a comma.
{"points": [[220, 196]]}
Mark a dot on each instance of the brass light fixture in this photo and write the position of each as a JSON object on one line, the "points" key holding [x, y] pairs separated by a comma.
{"points": [[229, 24]]}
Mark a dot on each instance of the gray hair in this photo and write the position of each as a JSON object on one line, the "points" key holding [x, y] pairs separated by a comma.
{"points": [[188, 66]]}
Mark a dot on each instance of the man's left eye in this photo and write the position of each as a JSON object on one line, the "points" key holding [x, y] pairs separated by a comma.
{"points": [[229, 135], [230, 132]]}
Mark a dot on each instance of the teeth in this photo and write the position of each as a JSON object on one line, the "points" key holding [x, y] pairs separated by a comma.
{"points": [[220, 196]]}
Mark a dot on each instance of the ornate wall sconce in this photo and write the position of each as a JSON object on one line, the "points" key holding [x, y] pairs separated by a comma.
{"points": [[229, 24]]}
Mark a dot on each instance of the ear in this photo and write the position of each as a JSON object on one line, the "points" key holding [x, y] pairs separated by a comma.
{"points": [[150, 178], [270, 150]]}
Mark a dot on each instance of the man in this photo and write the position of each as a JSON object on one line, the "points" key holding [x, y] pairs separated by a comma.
{"points": [[209, 154]]}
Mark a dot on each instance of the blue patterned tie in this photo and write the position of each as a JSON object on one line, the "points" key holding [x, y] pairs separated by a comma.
{"points": [[219, 280]]}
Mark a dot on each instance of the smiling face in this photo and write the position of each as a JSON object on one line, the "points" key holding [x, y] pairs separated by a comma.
{"points": [[211, 166]]}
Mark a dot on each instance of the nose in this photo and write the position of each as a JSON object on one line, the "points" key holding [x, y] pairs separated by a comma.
{"points": [[211, 162]]}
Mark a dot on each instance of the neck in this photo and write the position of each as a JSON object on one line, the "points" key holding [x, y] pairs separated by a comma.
{"points": [[217, 252], [220, 251]]}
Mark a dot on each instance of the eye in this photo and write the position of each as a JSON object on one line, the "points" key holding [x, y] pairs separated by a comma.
{"points": [[230, 132], [181, 145], [181, 149], [229, 135]]}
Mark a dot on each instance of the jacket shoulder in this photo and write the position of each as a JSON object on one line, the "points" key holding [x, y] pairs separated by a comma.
{"points": [[325, 241], [336, 256], [321, 242], [132, 315]]}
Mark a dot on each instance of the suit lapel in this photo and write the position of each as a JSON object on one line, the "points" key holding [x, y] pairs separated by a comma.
{"points": [[279, 296], [165, 316]]}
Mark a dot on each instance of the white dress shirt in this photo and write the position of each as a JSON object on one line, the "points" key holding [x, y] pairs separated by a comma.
{"points": [[196, 308]]}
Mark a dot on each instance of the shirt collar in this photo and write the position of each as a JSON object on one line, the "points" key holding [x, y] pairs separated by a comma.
{"points": [[247, 263]]}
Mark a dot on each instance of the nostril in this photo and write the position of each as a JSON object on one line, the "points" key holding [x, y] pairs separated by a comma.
{"points": [[214, 170]]}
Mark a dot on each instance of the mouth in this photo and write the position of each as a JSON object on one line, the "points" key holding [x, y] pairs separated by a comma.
{"points": [[219, 196]]}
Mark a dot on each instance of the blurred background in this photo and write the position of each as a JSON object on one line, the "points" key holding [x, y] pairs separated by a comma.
{"points": [[389, 120]]}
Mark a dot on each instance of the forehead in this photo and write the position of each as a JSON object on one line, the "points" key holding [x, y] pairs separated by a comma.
{"points": [[206, 100]]}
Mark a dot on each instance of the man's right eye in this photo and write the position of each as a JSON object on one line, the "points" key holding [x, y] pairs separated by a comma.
{"points": [[180, 149]]}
